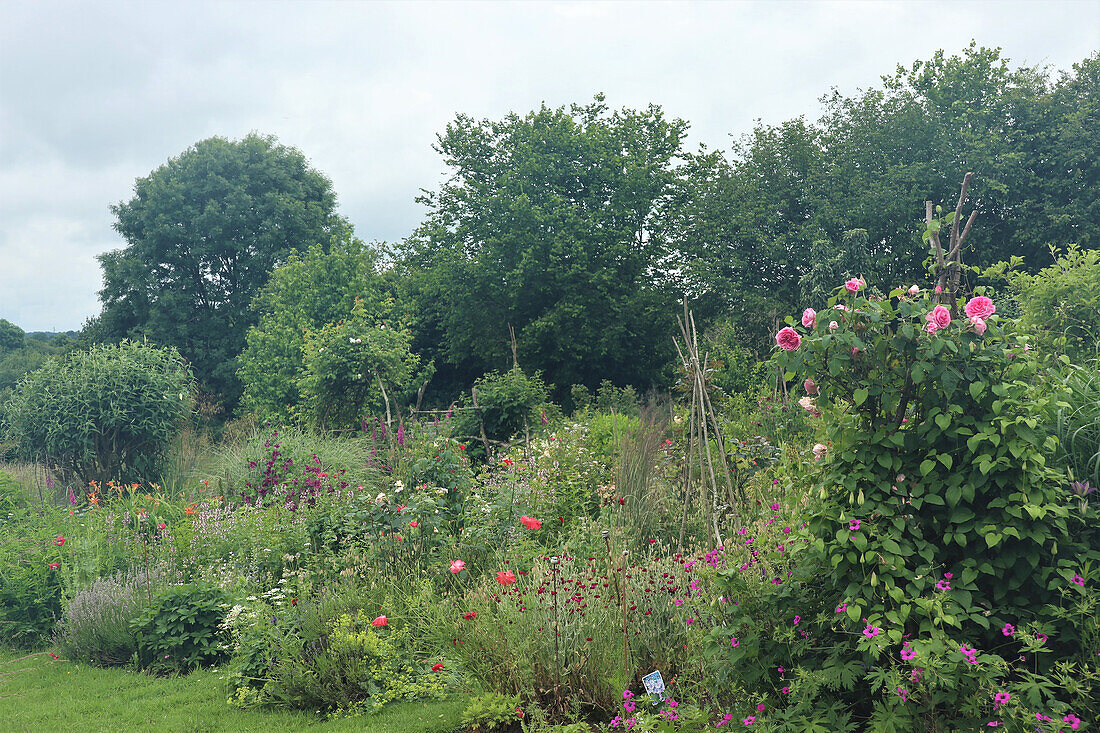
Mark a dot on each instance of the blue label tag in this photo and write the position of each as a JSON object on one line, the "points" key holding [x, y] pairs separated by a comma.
{"points": [[654, 685]]}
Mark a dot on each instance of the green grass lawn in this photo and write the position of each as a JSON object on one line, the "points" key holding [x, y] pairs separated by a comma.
{"points": [[39, 694]]}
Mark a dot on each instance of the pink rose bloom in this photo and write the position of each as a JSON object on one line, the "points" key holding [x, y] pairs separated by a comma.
{"points": [[819, 451], [810, 386], [980, 307], [853, 285], [914, 290], [788, 339], [809, 318], [940, 316], [978, 324], [840, 307], [939, 289], [930, 327], [807, 404], [832, 325]]}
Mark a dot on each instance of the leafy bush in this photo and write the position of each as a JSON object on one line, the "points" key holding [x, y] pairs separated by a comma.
{"points": [[30, 589], [938, 464], [181, 629], [328, 653], [492, 712], [1061, 304], [107, 413], [511, 403], [98, 627]]}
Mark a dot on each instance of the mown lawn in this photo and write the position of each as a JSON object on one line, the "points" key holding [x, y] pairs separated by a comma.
{"points": [[39, 694]]}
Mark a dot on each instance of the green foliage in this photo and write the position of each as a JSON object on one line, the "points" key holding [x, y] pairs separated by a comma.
{"points": [[313, 289], [491, 711], [352, 367], [12, 337], [98, 627], [181, 629], [510, 403], [546, 225], [203, 233], [30, 590], [106, 413], [327, 654], [1061, 303], [938, 464]]}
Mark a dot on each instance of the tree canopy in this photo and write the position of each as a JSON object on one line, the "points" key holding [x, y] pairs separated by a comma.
{"points": [[203, 233], [546, 225]]}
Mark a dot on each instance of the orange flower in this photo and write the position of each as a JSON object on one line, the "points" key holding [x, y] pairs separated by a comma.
{"points": [[189, 510], [93, 498]]}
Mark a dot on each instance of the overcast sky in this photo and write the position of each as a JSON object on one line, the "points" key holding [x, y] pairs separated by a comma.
{"points": [[94, 95]]}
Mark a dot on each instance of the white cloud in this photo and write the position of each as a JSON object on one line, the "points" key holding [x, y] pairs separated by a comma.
{"points": [[94, 95]]}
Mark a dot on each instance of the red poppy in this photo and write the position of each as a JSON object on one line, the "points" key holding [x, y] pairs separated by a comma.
{"points": [[437, 666], [470, 615], [530, 522], [59, 541], [414, 524], [506, 577], [380, 621], [53, 655], [53, 566], [461, 446]]}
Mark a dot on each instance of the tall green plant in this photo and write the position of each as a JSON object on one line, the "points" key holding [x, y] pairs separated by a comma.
{"points": [[935, 467], [106, 413]]}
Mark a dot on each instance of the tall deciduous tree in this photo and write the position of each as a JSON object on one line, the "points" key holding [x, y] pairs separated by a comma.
{"points": [[546, 225], [203, 232]]}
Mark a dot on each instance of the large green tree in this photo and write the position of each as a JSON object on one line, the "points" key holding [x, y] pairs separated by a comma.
{"points": [[312, 290], [203, 232], [546, 225]]}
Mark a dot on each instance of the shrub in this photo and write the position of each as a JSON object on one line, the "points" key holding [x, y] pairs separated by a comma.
{"points": [[1061, 304], [107, 413], [492, 713], [938, 464], [97, 626], [181, 629], [510, 404], [329, 653], [30, 590]]}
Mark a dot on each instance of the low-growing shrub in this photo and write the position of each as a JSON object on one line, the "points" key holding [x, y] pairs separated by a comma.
{"points": [[181, 629], [492, 712], [97, 626]]}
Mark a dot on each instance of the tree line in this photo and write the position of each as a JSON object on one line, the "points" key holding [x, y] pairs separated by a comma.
{"points": [[566, 237]]}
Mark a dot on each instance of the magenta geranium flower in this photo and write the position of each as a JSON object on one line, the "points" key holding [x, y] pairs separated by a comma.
{"points": [[1077, 580]]}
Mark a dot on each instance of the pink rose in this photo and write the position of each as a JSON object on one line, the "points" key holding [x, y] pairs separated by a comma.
{"points": [[810, 386], [978, 324], [980, 307], [914, 290], [930, 327], [788, 339], [840, 307], [807, 404], [809, 318], [853, 285], [940, 316], [939, 289], [832, 325], [819, 451]]}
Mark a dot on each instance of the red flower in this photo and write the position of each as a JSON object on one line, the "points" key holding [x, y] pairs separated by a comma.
{"points": [[530, 522], [507, 461], [519, 713], [461, 446], [506, 577], [294, 601], [53, 655], [414, 524], [59, 541], [470, 615], [53, 566], [380, 621], [437, 666]]}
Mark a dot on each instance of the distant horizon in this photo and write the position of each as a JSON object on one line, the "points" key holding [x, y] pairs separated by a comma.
{"points": [[105, 94]]}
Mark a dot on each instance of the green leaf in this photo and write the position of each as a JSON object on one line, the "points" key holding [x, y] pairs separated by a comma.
{"points": [[859, 396]]}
